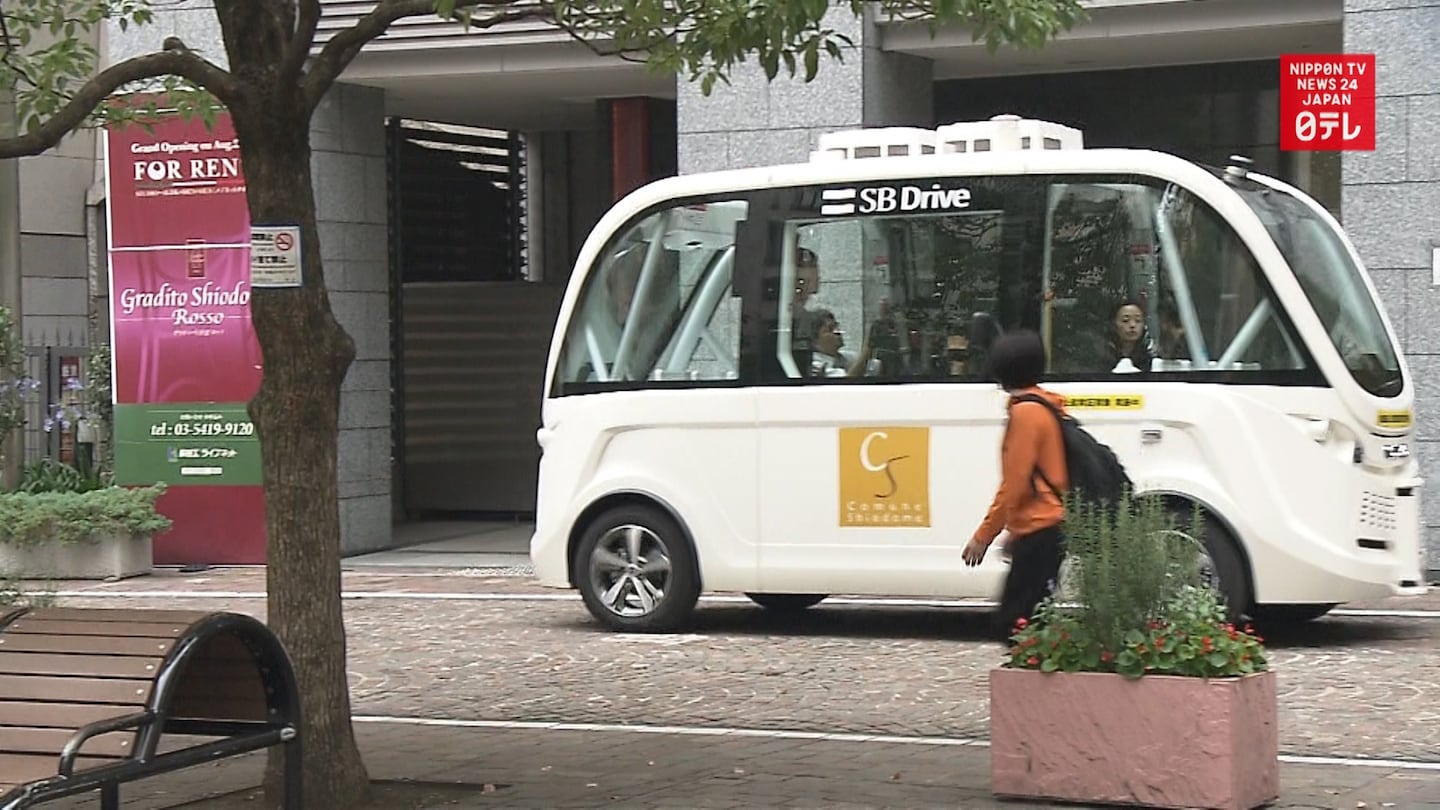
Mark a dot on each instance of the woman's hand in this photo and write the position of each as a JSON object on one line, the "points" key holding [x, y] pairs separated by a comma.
{"points": [[974, 552]]}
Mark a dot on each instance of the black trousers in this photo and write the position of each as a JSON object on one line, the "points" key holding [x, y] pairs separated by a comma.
{"points": [[1034, 570]]}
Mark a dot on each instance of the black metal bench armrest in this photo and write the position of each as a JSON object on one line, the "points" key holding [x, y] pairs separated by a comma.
{"points": [[72, 747]]}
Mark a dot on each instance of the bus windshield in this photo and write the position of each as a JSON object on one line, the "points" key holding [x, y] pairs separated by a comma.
{"points": [[1332, 281]]}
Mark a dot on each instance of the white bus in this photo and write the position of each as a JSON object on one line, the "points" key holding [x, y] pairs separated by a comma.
{"points": [[769, 380]]}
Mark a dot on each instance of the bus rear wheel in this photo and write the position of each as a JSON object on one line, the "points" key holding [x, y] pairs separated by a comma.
{"points": [[787, 602], [636, 572]]}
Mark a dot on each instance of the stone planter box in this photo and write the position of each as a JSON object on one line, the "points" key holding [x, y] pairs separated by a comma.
{"points": [[1157, 741], [105, 557]]}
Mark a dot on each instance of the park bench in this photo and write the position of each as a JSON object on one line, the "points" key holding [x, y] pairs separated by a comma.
{"points": [[91, 698]]}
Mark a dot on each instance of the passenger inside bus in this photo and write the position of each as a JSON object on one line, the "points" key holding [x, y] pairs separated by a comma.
{"points": [[826, 357], [1172, 344], [1129, 347]]}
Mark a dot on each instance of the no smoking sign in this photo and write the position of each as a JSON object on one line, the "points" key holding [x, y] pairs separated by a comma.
{"points": [[1327, 102], [275, 256]]}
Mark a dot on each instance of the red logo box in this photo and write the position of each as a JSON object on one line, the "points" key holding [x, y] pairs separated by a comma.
{"points": [[1327, 102]]}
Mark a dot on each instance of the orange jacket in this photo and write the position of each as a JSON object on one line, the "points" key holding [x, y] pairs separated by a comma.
{"points": [[1032, 440]]}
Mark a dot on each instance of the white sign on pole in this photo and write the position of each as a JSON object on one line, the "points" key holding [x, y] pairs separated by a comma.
{"points": [[275, 256]]}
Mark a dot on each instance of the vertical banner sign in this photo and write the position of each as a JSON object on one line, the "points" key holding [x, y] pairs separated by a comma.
{"points": [[1327, 102], [186, 361]]}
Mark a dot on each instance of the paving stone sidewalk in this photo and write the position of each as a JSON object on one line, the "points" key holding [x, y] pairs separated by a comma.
{"points": [[530, 768]]}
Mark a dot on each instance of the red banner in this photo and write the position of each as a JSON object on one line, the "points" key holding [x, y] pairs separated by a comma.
{"points": [[186, 361], [1327, 102]]}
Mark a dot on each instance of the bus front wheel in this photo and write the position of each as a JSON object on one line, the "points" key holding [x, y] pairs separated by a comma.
{"points": [[636, 572], [1222, 566]]}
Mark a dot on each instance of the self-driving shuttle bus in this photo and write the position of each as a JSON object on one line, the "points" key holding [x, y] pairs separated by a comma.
{"points": [[771, 380]]}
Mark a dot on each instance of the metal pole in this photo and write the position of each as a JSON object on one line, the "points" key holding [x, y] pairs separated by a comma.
{"points": [[14, 447]]}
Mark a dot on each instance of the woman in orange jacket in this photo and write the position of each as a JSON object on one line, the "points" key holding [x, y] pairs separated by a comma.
{"points": [[1031, 454]]}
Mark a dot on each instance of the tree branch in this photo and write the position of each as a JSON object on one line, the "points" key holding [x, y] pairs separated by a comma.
{"points": [[346, 45], [175, 60], [299, 48]]}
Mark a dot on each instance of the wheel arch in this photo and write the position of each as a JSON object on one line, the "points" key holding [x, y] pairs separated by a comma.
{"points": [[1186, 501], [626, 497]]}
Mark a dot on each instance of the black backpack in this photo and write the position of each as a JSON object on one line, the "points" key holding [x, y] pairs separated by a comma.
{"points": [[1096, 474]]}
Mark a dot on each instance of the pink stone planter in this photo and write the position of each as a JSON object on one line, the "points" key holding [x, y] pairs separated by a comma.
{"points": [[1158, 741]]}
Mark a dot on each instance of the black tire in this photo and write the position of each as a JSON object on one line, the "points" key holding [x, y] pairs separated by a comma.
{"points": [[1227, 564], [1290, 614], [787, 602], [660, 538]]}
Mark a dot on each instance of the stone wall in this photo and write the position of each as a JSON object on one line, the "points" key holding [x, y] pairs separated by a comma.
{"points": [[1390, 202]]}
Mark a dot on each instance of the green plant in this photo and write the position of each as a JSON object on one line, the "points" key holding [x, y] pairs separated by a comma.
{"points": [[49, 475], [35, 518], [1140, 604]]}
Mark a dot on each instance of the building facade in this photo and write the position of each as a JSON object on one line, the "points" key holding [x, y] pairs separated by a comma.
{"points": [[451, 288]]}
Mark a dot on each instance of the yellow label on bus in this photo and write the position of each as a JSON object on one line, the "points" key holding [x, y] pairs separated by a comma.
{"points": [[1393, 419], [885, 477], [1105, 402]]}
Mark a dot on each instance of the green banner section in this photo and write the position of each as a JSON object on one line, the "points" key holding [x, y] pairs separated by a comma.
{"points": [[182, 444]]}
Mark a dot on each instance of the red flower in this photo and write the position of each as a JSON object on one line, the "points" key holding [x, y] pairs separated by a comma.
{"points": [[1160, 641], [1206, 642], [1107, 656], [1021, 623], [1032, 661]]}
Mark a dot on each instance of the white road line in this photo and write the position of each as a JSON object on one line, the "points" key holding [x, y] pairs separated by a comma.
{"points": [[572, 597], [786, 734]]}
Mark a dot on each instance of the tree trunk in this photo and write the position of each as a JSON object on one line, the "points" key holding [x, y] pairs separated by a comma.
{"points": [[306, 354]]}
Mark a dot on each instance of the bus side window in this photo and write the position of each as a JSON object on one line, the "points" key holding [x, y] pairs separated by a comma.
{"points": [[659, 305], [1142, 277], [899, 297]]}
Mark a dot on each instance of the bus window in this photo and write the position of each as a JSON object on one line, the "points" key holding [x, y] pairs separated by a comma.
{"points": [[1143, 278], [659, 306], [911, 296]]}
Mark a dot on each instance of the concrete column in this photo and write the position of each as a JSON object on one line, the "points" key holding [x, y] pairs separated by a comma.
{"points": [[13, 447], [1390, 199], [753, 122], [348, 164]]}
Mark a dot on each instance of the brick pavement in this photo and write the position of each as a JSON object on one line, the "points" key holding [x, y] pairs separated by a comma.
{"points": [[554, 769], [1349, 686]]}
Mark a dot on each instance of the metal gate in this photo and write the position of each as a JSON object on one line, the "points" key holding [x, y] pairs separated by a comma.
{"points": [[471, 336]]}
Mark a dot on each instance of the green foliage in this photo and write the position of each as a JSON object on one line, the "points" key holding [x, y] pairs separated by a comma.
{"points": [[49, 475], [46, 56], [703, 40], [1140, 603], [35, 518]]}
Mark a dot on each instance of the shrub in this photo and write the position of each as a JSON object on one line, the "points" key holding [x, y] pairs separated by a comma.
{"points": [[35, 518], [1140, 605], [49, 475]]}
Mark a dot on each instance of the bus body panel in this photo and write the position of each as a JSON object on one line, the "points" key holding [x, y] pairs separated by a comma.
{"points": [[771, 481]]}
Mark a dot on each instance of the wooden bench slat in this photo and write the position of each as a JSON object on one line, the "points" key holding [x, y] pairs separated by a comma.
{"points": [[74, 690], [100, 645], [97, 666], [144, 615], [52, 741], [29, 624], [22, 768], [61, 715]]}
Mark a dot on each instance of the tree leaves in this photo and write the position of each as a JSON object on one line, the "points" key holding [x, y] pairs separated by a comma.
{"points": [[704, 40]]}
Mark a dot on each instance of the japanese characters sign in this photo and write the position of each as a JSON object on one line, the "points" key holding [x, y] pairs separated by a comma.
{"points": [[186, 359], [1327, 102], [275, 256]]}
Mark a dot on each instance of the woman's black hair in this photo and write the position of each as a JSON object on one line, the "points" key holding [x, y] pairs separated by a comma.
{"points": [[1017, 359]]}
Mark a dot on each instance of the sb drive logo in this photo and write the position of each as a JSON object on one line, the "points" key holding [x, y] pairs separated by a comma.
{"points": [[890, 199]]}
